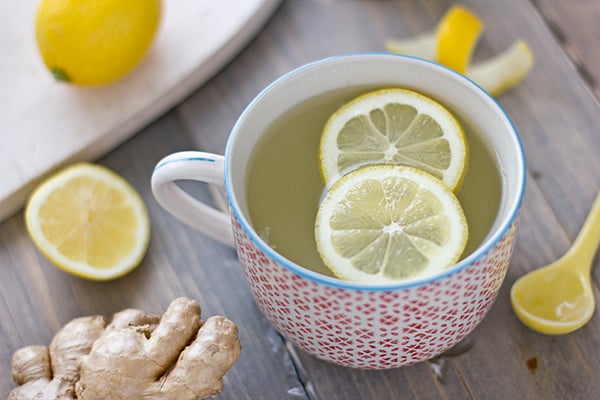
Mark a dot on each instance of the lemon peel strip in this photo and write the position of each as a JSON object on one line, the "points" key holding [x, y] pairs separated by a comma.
{"points": [[496, 74], [422, 46], [457, 34], [504, 70]]}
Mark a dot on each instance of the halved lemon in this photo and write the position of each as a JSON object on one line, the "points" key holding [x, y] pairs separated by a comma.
{"points": [[394, 126], [89, 221], [388, 223]]}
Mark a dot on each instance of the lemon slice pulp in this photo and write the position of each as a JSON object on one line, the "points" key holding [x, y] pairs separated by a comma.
{"points": [[89, 221], [387, 223], [394, 126]]}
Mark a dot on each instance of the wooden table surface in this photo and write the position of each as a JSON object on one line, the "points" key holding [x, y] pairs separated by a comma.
{"points": [[556, 111]]}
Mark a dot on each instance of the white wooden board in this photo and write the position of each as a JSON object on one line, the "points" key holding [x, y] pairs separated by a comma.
{"points": [[45, 124]]}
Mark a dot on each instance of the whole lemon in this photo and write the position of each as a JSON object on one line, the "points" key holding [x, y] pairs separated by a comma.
{"points": [[95, 42]]}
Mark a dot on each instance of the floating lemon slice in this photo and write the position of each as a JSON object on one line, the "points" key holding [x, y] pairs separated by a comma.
{"points": [[386, 223], [452, 44], [89, 222], [394, 126], [457, 34]]}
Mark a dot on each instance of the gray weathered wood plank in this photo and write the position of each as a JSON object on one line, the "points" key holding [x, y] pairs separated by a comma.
{"points": [[575, 24], [555, 113]]}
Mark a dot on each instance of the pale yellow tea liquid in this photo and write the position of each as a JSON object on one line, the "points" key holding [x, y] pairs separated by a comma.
{"points": [[284, 185]]}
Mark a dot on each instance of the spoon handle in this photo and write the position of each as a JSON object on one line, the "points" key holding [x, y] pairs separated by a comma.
{"points": [[587, 241]]}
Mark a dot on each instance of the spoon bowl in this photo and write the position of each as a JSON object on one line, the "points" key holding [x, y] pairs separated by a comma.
{"points": [[558, 298]]}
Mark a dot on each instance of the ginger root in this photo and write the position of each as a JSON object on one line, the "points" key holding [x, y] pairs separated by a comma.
{"points": [[138, 355], [50, 373]]}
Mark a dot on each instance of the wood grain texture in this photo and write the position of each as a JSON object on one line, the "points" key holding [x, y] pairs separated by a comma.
{"points": [[576, 26], [554, 111]]}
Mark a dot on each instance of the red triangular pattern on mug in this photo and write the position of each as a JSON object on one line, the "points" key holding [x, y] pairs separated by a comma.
{"points": [[374, 329]]}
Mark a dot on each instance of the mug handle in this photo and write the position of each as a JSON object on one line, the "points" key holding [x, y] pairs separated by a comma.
{"points": [[197, 166]]}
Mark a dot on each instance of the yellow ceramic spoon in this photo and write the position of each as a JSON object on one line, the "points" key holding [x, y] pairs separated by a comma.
{"points": [[558, 298]]}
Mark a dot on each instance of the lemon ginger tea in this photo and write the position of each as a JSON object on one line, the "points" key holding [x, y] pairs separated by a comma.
{"points": [[284, 183], [302, 304]]}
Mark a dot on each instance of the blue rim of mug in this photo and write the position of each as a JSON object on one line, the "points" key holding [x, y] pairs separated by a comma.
{"points": [[304, 272]]}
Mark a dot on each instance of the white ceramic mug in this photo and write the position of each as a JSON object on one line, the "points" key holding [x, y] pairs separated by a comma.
{"points": [[348, 323]]}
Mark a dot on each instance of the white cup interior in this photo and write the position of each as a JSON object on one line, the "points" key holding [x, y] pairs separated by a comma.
{"points": [[470, 103]]}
